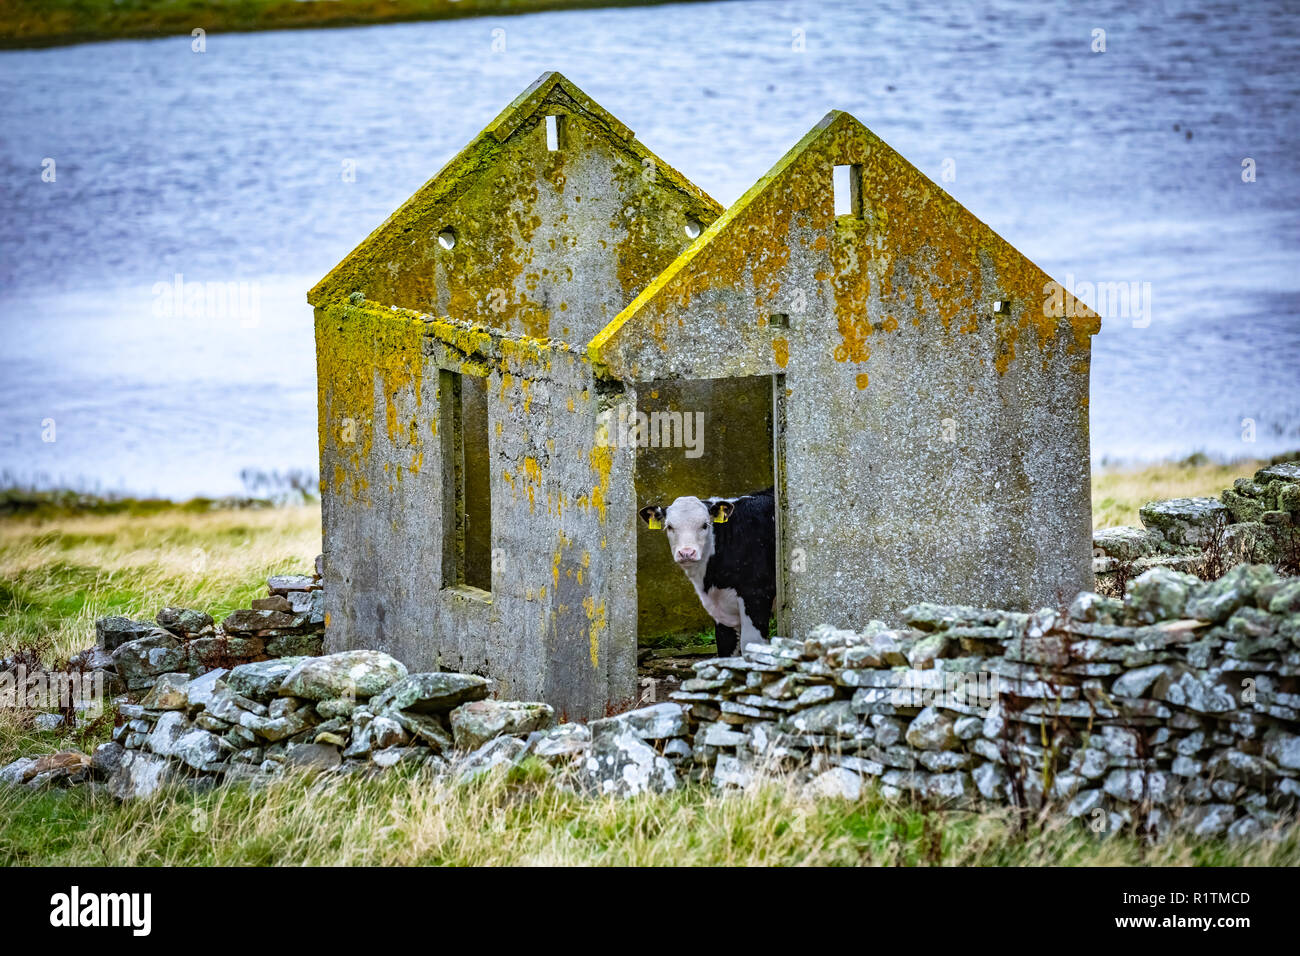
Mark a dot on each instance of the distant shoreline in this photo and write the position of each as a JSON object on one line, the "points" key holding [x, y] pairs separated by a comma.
{"points": [[38, 24]]}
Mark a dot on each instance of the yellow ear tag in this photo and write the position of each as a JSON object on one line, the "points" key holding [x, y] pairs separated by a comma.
{"points": [[720, 518], [655, 524]]}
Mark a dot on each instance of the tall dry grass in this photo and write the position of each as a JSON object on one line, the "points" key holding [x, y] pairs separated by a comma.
{"points": [[527, 817], [1118, 493], [58, 574]]}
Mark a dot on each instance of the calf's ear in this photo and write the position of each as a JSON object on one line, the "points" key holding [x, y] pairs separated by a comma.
{"points": [[721, 511], [652, 515]]}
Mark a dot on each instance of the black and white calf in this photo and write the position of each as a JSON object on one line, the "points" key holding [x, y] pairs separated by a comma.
{"points": [[727, 547]]}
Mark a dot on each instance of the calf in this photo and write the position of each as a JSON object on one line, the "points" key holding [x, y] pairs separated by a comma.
{"points": [[727, 548]]}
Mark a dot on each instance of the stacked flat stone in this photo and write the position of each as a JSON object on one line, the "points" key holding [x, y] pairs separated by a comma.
{"points": [[289, 622], [1182, 701], [1257, 519], [356, 710]]}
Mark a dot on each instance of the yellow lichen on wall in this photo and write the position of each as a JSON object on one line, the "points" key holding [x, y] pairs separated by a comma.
{"points": [[360, 350], [602, 461], [499, 234], [910, 248], [596, 615]]}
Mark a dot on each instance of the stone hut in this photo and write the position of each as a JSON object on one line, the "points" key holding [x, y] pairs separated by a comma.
{"points": [[485, 354]]}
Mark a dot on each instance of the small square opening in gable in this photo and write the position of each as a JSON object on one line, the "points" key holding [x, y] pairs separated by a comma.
{"points": [[847, 183]]}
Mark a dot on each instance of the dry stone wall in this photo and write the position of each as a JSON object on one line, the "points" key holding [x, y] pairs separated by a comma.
{"points": [[1180, 702]]}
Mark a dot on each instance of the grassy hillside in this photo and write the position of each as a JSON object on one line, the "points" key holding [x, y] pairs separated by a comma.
{"points": [[32, 23]]}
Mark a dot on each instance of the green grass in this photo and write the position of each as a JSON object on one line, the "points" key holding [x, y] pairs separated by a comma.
{"points": [[525, 818]]}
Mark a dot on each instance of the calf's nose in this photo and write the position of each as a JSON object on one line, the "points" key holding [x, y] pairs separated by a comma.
{"points": [[686, 554]]}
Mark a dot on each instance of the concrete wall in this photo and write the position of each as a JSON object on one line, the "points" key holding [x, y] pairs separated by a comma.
{"points": [[932, 448], [560, 622]]}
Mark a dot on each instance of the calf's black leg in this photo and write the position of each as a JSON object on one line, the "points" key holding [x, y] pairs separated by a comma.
{"points": [[727, 639]]}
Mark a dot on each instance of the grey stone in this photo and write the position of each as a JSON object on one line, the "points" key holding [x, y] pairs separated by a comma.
{"points": [[261, 680], [1085, 803], [360, 673], [278, 728], [339, 707], [107, 758], [313, 758], [1287, 471], [656, 722], [140, 775], [1217, 600], [721, 736], [1136, 683], [566, 740], [248, 621], [836, 783], [392, 756], [1210, 820], [1135, 786], [922, 654], [1126, 543], [184, 621], [932, 729], [989, 779], [835, 717], [199, 691], [199, 748], [169, 692], [475, 723], [1091, 607], [18, 772], [112, 632], [1245, 830], [167, 733], [140, 661], [1159, 595], [1283, 749], [497, 752], [295, 645], [731, 771], [950, 788], [1286, 600], [285, 583], [1185, 521], [623, 764], [48, 721], [817, 694], [1187, 689]]}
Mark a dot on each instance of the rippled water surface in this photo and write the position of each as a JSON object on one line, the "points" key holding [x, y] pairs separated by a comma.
{"points": [[1122, 166]]}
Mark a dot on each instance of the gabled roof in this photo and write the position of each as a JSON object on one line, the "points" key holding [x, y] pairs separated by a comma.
{"points": [[486, 169], [734, 268]]}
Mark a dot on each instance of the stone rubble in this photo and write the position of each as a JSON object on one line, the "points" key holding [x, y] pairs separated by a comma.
{"points": [[1256, 520]]}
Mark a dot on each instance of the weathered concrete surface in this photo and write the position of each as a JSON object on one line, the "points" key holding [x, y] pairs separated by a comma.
{"points": [[554, 625], [549, 246], [932, 447]]}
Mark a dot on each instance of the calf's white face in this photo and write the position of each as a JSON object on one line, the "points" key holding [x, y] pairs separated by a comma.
{"points": [[690, 531]]}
